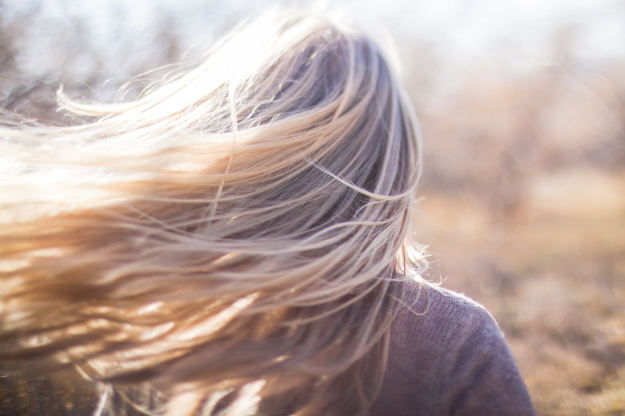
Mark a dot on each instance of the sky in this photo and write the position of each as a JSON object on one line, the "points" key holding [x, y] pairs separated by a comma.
{"points": [[515, 34]]}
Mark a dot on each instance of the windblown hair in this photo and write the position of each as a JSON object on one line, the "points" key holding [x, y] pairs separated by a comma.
{"points": [[236, 239]]}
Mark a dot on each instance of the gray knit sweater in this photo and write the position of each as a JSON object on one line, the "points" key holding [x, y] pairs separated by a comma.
{"points": [[448, 357]]}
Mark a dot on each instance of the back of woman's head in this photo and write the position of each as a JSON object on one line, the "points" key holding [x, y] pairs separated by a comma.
{"points": [[238, 234]]}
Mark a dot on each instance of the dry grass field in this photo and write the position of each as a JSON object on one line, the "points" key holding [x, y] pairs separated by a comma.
{"points": [[526, 214], [553, 278]]}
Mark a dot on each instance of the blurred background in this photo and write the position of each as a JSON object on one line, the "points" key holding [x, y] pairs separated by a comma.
{"points": [[522, 106]]}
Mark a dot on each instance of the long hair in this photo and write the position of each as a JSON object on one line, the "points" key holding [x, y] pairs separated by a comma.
{"points": [[236, 239]]}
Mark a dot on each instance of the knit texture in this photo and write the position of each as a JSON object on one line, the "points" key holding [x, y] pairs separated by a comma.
{"points": [[448, 357]]}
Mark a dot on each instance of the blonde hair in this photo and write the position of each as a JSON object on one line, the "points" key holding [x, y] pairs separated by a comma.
{"points": [[237, 239]]}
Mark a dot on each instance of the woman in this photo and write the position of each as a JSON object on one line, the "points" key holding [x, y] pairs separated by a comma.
{"points": [[238, 242]]}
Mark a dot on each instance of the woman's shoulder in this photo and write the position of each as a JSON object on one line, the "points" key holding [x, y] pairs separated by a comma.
{"points": [[447, 355], [430, 313], [419, 293]]}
